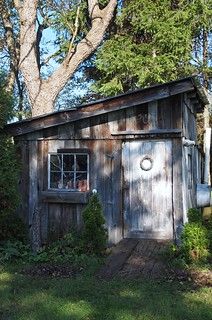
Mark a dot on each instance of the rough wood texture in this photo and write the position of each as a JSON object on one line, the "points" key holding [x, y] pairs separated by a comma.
{"points": [[33, 182], [64, 197], [148, 193], [115, 261], [153, 114], [102, 107], [146, 132], [177, 184], [34, 200], [117, 133], [23, 150]]}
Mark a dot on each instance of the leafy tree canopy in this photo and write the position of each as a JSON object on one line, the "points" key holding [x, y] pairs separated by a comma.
{"points": [[155, 42]]}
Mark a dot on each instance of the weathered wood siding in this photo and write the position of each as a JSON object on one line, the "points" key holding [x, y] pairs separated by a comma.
{"points": [[177, 181], [23, 153], [191, 163], [148, 205], [161, 114], [58, 217], [99, 134]]}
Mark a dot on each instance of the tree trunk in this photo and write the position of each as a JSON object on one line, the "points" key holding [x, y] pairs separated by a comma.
{"points": [[43, 93], [205, 57]]}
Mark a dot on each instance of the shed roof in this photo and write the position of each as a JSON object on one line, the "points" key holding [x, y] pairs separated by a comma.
{"points": [[119, 102]]}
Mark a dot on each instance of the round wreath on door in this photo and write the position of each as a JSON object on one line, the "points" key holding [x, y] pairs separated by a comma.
{"points": [[146, 163]]}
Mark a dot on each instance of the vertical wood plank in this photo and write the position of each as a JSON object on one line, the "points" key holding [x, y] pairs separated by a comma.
{"points": [[164, 114], [142, 118], [131, 121], [153, 114], [99, 127], [107, 162], [185, 118], [113, 121], [34, 204], [24, 181], [116, 227], [176, 106], [33, 182], [126, 187], [54, 231], [148, 195], [82, 129], [117, 121], [177, 183], [66, 131], [185, 193]]}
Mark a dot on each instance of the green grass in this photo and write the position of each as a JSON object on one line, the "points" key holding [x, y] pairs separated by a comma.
{"points": [[87, 298]]}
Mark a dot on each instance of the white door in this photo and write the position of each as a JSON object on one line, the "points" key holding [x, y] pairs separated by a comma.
{"points": [[148, 189]]}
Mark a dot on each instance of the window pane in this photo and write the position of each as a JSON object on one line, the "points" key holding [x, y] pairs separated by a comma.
{"points": [[55, 180], [68, 162], [69, 171], [81, 181], [55, 162], [81, 162], [68, 180]]}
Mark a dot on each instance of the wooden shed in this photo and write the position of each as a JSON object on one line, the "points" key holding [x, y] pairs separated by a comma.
{"points": [[138, 150]]}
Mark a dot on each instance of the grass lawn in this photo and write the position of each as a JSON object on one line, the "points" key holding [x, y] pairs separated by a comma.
{"points": [[26, 298]]}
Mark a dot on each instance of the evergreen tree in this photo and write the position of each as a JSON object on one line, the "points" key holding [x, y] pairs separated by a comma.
{"points": [[155, 41], [94, 233]]}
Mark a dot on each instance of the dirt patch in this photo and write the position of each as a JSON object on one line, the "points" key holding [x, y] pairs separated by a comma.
{"points": [[51, 270], [133, 258], [196, 278]]}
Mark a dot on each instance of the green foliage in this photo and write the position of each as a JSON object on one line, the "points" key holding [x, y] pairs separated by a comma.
{"points": [[63, 19], [10, 225], [195, 242], [68, 250], [172, 255], [94, 233], [11, 251], [194, 215], [5, 103], [207, 222], [154, 42], [69, 20], [9, 174], [62, 250]]}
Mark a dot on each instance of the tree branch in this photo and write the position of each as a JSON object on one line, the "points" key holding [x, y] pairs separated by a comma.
{"points": [[17, 4], [93, 8], [76, 25], [83, 49], [42, 93]]}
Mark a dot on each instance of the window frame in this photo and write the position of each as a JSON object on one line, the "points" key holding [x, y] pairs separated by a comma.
{"points": [[75, 153]]}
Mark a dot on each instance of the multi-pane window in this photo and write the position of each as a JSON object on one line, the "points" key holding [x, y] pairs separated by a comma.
{"points": [[68, 171]]}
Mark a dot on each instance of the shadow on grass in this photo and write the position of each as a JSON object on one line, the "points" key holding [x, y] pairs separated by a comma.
{"points": [[25, 298]]}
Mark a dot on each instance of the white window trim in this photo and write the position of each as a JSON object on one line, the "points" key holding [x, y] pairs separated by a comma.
{"points": [[74, 154]]}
